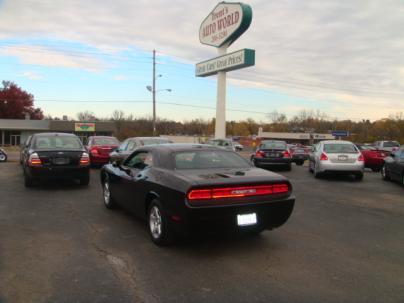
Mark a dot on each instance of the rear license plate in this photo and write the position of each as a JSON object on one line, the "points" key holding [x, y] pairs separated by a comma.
{"points": [[247, 219], [60, 161], [342, 158], [272, 155]]}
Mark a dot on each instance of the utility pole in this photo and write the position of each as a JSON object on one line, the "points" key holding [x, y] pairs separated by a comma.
{"points": [[154, 92]]}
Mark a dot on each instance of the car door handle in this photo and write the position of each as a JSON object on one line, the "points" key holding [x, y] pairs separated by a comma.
{"points": [[141, 177]]}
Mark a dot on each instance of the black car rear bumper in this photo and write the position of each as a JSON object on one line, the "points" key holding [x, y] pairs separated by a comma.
{"points": [[298, 158], [54, 172], [224, 218], [259, 162]]}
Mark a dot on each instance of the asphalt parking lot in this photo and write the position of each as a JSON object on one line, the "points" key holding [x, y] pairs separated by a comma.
{"points": [[343, 243]]}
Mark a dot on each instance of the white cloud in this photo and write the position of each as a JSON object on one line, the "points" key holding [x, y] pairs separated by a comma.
{"points": [[46, 57], [119, 77], [32, 75], [347, 52]]}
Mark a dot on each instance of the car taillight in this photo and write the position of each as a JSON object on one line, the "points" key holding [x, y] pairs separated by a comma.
{"points": [[94, 151], [361, 158], [34, 160], [235, 192], [323, 157], [259, 154], [84, 160], [286, 154]]}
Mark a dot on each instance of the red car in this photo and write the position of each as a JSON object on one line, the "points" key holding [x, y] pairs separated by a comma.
{"points": [[374, 158], [99, 148]]}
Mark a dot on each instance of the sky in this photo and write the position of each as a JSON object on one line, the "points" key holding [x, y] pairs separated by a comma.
{"points": [[343, 58]]}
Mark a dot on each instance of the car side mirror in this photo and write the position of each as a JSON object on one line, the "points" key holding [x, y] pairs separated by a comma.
{"points": [[116, 163]]}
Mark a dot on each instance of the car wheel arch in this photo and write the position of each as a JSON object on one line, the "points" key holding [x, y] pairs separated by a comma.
{"points": [[149, 198]]}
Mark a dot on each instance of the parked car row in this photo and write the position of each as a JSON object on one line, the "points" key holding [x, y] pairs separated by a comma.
{"points": [[178, 189]]}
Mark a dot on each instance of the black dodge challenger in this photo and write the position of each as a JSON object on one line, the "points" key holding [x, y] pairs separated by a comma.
{"points": [[184, 188]]}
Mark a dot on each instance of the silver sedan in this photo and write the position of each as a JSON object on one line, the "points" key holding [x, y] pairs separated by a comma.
{"points": [[336, 157]]}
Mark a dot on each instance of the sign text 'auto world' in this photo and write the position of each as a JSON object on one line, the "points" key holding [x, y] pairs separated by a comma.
{"points": [[220, 21]]}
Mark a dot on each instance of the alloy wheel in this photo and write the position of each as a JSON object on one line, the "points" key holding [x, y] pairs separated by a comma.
{"points": [[2, 158], [107, 193], [155, 222]]}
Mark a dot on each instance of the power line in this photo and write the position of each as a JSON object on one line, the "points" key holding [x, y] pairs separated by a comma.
{"points": [[147, 101]]}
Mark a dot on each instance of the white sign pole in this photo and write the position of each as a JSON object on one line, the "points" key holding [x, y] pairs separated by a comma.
{"points": [[220, 126]]}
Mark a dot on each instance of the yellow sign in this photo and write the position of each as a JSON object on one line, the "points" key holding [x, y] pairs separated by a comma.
{"points": [[84, 127]]}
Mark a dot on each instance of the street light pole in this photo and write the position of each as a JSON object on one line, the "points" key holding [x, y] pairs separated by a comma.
{"points": [[154, 92]]}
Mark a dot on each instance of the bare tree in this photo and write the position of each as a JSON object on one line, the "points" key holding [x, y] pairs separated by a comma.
{"points": [[86, 116]]}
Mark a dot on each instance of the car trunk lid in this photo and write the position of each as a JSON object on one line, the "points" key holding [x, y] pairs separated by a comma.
{"points": [[60, 157]]}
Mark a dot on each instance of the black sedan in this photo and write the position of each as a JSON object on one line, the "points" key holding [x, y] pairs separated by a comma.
{"points": [[393, 168], [54, 156], [272, 153], [183, 188]]}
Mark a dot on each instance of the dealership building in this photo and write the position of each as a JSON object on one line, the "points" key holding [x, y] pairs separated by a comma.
{"points": [[13, 132], [302, 138]]}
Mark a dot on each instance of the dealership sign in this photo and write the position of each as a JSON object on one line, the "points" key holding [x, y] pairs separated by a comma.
{"points": [[84, 127], [225, 24], [225, 63]]}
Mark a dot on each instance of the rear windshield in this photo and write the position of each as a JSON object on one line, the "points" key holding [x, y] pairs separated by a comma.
{"points": [[209, 159], [220, 143], [273, 145], [106, 141], [155, 141], [57, 142], [391, 144], [366, 147], [340, 148]]}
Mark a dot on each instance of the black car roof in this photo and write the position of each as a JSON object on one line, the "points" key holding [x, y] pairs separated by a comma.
{"points": [[146, 138], [55, 134], [182, 147]]}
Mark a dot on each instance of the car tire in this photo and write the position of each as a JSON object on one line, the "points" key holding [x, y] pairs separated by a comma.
{"points": [[109, 201], [402, 179], [375, 169], [28, 181], [299, 163], [310, 167], [85, 180], [384, 173], [3, 158], [316, 173], [359, 176], [158, 223]]}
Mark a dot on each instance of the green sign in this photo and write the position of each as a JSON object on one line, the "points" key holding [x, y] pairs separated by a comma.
{"points": [[236, 60]]}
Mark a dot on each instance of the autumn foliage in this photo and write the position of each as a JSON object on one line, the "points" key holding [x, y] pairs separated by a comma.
{"points": [[15, 103]]}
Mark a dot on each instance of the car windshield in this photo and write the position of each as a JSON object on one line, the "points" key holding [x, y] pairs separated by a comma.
{"points": [[273, 145], [106, 141], [209, 159], [57, 142], [391, 144], [155, 141], [340, 148]]}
